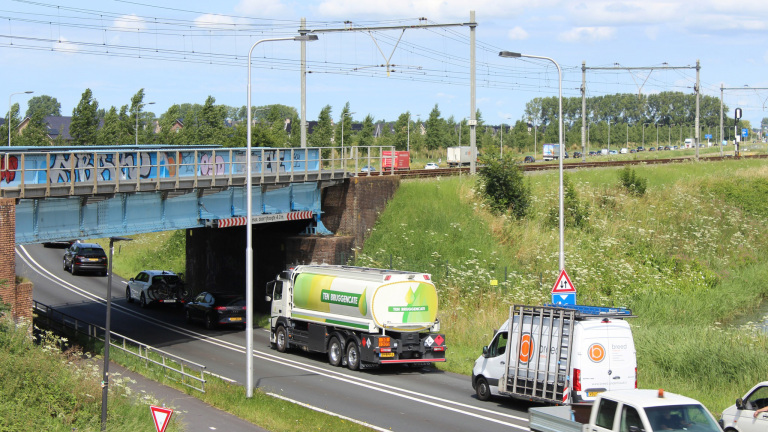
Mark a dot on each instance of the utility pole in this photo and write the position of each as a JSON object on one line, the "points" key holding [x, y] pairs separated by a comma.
{"points": [[583, 111], [472, 114], [302, 31], [697, 88]]}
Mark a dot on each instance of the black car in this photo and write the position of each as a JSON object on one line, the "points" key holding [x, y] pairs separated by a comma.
{"points": [[215, 309], [576, 155], [85, 257], [529, 159]]}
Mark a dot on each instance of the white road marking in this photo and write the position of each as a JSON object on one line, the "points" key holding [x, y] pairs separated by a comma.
{"points": [[312, 407]]}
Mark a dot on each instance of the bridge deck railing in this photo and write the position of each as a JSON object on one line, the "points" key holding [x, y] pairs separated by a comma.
{"points": [[177, 368], [59, 171]]}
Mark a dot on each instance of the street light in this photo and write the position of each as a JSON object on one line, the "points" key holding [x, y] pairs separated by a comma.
{"points": [[657, 136], [508, 54], [609, 135], [249, 219], [138, 110], [9, 113], [501, 147], [105, 379], [409, 131], [644, 125]]}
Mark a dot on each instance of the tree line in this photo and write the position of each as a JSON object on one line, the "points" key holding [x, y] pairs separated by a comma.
{"points": [[615, 118]]}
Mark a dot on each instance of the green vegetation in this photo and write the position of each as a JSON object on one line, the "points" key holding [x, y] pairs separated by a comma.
{"points": [[686, 257], [501, 181], [50, 386], [632, 183]]}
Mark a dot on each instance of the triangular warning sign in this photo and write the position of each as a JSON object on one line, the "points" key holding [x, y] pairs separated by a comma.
{"points": [[161, 417], [563, 284]]}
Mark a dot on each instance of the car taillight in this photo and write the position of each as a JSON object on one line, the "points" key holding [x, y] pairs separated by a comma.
{"points": [[220, 308], [635, 376], [577, 379]]}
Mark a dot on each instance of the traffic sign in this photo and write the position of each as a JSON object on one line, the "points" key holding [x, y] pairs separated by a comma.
{"points": [[708, 136], [161, 416], [564, 299], [744, 132], [563, 284]]}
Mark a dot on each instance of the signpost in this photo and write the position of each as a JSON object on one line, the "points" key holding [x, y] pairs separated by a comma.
{"points": [[161, 416], [563, 292]]}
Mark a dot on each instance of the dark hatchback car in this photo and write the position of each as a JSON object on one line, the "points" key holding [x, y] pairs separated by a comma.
{"points": [[214, 309], [529, 159], [85, 257]]}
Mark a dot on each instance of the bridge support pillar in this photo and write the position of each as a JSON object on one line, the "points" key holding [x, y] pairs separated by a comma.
{"points": [[17, 295]]}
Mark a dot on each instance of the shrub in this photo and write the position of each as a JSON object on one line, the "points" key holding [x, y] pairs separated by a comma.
{"points": [[633, 183], [576, 212], [503, 186]]}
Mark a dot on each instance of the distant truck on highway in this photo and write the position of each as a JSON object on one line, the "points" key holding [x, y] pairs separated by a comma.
{"points": [[627, 411], [461, 156], [558, 354], [402, 160], [552, 152], [360, 317]]}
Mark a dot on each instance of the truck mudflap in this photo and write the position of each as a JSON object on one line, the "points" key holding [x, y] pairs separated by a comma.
{"points": [[404, 348]]}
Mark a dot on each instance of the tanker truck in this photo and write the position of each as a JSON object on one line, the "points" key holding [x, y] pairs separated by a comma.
{"points": [[360, 317]]}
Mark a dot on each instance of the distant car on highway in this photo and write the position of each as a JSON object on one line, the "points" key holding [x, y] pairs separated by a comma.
{"points": [[367, 168], [613, 152], [431, 165], [215, 309], [576, 155], [652, 149], [640, 148], [85, 257], [529, 159]]}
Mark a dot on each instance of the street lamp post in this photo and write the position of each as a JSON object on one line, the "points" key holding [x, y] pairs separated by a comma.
{"points": [[644, 125], [249, 219], [627, 135], [105, 378], [609, 135], [138, 110], [343, 118], [657, 136], [508, 54], [9, 112]]}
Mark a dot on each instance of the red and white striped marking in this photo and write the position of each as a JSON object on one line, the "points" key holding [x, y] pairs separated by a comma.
{"points": [[265, 218]]}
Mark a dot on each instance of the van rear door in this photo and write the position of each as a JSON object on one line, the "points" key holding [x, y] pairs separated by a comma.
{"points": [[606, 357]]}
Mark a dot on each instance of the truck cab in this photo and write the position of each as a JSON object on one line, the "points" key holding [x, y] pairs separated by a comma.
{"points": [[629, 411]]}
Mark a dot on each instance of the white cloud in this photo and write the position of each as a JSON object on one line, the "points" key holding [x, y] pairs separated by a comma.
{"points": [[129, 22], [614, 13], [213, 21], [63, 45], [434, 10], [588, 34], [262, 8], [517, 33]]}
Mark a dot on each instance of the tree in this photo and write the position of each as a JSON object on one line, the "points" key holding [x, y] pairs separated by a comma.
{"points": [[401, 131], [435, 130], [366, 134], [109, 134], [85, 120], [323, 131], [346, 120], [503, 184], [212, 118], [43, 105]]}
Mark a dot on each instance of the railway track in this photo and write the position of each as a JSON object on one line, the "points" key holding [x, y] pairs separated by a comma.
{"points": [[569, 165]]}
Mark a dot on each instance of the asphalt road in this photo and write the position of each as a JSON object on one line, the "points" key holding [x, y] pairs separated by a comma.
{"points": [[391, 399]]}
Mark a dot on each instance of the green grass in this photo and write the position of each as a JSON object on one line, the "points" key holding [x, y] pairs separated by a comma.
{"points": [[49, 386], [686, 257]]}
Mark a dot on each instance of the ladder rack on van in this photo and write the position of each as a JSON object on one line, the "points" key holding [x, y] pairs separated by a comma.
{"points": [[583, 311]]}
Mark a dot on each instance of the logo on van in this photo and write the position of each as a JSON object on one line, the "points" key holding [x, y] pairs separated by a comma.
{"points": [[596, 352], [526, 348]]}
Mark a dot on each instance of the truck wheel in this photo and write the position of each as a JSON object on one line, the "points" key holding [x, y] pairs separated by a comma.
{"points": [[334, 352], [143, 301], [353, 356], [482, 389], [282, 339], [128, 295]]}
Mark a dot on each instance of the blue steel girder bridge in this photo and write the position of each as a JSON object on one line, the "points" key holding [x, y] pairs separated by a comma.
{"points": [[66, 193]]}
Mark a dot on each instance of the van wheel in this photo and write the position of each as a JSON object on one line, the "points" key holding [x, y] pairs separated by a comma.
{"points": [[128, 295], [482, 389], [353, 356], [282, 339], [334, 352]]}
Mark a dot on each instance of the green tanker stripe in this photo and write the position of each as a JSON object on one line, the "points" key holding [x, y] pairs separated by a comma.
{"points": [[330, 321]]}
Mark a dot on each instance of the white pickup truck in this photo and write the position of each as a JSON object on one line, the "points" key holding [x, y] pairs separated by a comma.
{"points": [[628, 411]]}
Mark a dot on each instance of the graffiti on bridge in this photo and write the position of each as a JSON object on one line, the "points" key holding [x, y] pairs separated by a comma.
{"points": [[8, 173]]}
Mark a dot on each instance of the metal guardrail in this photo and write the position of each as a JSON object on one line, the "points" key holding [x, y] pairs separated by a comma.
{"points": [[39, 172], [191, 373]]}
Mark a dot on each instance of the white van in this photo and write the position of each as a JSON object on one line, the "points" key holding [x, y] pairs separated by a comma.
{"points": [[624, 150], [578, 353], [688, 143]]}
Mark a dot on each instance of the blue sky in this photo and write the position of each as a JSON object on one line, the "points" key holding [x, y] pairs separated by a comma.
{"points": [[185, 51]]}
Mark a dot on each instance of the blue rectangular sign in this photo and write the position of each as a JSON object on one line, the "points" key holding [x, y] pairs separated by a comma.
{"points": [[564, 299], [708, 136], [744, 132]]}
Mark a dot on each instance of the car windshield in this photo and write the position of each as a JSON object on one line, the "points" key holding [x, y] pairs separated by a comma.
{"points": [[681, 417]]}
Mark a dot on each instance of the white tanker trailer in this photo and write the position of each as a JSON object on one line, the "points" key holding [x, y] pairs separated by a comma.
{"points": [[361, 317]]}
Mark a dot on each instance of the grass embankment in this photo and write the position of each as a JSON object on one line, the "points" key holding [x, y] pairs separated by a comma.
{"points": [[688, 258], [47, 387]]}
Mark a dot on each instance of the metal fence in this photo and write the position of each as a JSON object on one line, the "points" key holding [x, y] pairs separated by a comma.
{"points": [[179, 369]]}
